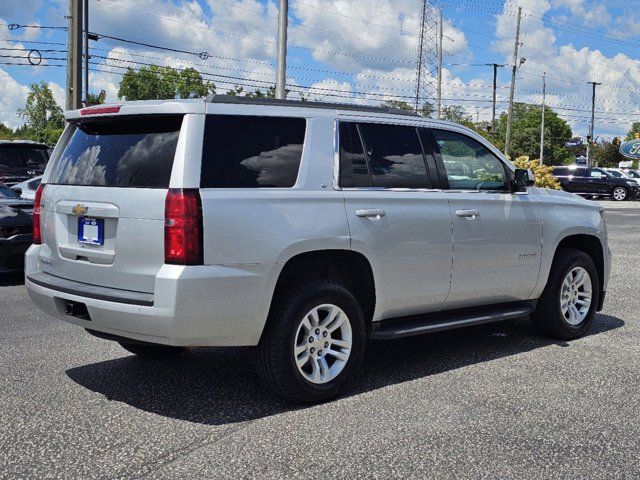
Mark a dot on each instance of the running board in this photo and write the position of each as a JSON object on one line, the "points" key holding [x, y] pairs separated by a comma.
{"points": [[439, 321]]}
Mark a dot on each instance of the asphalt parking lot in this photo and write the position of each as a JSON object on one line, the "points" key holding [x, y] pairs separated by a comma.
{"points": [[496, 401]]}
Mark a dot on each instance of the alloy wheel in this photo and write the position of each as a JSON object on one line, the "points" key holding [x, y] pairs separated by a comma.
{"points": [[575, 297], [323, 343]]}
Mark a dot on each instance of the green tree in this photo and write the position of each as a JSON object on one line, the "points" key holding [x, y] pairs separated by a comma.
{"points": [[160, 82], [635, 129], [456, 113], [525, 134], [96, 99], [607, 154], [43, 117], [6, 133], [397, 104]]}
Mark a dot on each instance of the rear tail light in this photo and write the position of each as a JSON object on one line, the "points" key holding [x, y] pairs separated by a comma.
{"points": [[37, 234], [183, 227]]}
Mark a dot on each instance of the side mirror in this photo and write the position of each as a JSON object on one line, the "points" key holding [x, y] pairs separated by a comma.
{"points": [[523, 179]]}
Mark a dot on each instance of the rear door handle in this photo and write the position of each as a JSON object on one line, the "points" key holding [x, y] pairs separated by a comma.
{"points": [[468, 213], [370, 212]]}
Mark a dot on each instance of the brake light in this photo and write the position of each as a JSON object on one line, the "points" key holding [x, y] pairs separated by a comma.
{"points": [[99, 110], [37, 234], [183, 227]]}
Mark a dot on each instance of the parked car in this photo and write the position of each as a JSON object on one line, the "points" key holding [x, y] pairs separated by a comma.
{"points": [[304, 229], [632, 173], [21, 160], [595, 182], [28, 188], [619, 173], [16, 229]]}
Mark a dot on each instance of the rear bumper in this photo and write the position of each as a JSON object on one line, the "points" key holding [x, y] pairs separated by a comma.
{"points": [[190, 306]]}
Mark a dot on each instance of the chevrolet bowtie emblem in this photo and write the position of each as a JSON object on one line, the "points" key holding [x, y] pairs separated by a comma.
{"points": [[80, 210]]}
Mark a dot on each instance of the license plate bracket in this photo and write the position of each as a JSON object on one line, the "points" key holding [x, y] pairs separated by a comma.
{"points": [[91, 231]]}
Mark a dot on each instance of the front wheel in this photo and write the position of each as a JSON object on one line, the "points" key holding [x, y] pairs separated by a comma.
{"points": [[619, 194], [568, 304], [314, 342]]}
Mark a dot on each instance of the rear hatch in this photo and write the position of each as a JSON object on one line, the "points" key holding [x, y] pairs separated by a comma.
{"points": [[103, 204]]}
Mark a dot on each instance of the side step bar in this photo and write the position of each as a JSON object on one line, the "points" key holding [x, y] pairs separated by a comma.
{"points": [[439, 321]]}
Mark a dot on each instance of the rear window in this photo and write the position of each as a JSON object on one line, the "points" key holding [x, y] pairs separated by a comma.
{"points": [[23, 157], [251, 152], [123, 152]]}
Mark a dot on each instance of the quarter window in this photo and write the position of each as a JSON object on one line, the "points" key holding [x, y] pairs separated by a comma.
{"points": [[468, 164], [251, 152]]}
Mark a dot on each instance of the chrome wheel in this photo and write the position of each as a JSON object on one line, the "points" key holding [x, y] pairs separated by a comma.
{"points": [[619, 194], [575, 297], [323, 343]]}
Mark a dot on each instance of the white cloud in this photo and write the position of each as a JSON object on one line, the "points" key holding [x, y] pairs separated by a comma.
{"points": [[12, 97]]}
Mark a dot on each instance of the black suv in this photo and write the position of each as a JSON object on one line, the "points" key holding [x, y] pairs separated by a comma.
{"points": [[595, 182], [21, 160]]}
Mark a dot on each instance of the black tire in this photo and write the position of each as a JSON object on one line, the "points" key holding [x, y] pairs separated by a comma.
{"points": [[548, 317], [275, 360], [152, 352], [621, 198]]}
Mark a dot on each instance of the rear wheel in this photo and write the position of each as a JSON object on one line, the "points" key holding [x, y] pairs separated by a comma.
{"points": [[314, 342], [568, 304], [150, 351], [619, 194]]}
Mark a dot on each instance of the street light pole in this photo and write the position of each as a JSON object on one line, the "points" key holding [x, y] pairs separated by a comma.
{"points": [[85, 16], [591, 127], [544, 91], [513, 83], [281, 72]]}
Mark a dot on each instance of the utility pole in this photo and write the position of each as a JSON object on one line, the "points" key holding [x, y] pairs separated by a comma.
{"points": [[591, 127], [85, 17], [544, 92], [281, 73], [439, 88], [513, 83], [74, 60], [420, 53], [495, 86]]}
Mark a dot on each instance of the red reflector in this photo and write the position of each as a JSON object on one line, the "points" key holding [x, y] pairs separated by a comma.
{"points": [[99, 110], [183, 227], [37, 235]]}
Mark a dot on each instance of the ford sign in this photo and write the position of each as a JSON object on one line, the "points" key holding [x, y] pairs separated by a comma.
{"points": [[631, 149]]}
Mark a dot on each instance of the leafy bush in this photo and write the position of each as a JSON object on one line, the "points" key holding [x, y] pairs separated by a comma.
{"points": [[544, 179]]}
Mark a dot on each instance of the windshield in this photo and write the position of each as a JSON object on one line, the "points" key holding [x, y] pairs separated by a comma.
{"points": [[617, 174], [6, 192], [633, 174]]}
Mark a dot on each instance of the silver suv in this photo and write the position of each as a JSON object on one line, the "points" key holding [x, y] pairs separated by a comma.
{"points": [[304, 229]]}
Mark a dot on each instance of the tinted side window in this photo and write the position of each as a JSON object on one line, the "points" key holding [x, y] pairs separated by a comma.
{"points": [[251, 152], [468, 164], [560, 171], [579, 172], [353, 164], [395, 156]]}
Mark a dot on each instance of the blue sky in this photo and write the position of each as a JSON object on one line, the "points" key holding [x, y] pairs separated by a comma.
{"points": [[353, 51]]}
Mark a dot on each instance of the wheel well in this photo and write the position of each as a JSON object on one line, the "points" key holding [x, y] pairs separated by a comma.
{"points": [[591, 246], [349, 268]]}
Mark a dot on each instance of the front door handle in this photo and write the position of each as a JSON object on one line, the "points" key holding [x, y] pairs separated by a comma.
{"points": [[370, 212], [468, 213]]}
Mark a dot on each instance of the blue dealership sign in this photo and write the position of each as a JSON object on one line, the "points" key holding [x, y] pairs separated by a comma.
{"points": [[631, 149]]}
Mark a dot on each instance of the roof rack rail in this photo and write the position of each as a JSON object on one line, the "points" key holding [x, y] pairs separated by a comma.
{"points": [[304, 104]]}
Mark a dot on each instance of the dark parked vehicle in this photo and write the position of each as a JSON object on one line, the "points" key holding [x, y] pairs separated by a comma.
{"points": [[16, 229], [595, 182], [21, 160]]}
